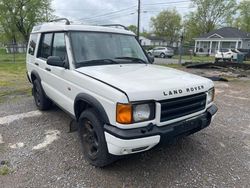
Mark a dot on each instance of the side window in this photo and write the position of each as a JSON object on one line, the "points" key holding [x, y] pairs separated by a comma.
{"points": [[59, 47], [32, 44], [45, 45]]}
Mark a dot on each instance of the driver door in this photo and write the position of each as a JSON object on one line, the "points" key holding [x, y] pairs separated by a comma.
{"points": [[56, 81]]}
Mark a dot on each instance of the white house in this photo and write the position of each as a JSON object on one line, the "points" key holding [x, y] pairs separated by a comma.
{"points": [[153, 41], [226, 37]]}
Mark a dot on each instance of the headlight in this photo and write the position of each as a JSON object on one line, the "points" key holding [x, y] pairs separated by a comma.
{"points": [[210, 96], [133, 113]]}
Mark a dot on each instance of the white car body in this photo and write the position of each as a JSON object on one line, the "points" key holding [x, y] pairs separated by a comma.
{"points": [[162, 52], [227, 54], [118, 83]]}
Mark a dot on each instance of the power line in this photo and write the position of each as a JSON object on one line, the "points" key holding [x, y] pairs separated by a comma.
{"points": [[106, 14], [146, 9], [163, 3], [110, 17]]}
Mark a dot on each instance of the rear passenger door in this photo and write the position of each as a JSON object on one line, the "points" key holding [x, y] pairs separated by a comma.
{"points": [[44, 51], [157, 52]]}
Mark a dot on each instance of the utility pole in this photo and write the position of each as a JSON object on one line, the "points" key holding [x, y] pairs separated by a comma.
{"points": [[180, 48], [138, 19]]}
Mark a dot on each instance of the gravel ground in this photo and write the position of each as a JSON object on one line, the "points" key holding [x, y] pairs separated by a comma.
{"points": [[39, 151]]}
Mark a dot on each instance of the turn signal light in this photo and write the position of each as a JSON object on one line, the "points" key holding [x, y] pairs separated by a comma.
{"points": [[124, 113]]}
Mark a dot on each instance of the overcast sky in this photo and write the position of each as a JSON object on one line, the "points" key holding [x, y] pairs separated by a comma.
{"points": [[116, 11]]}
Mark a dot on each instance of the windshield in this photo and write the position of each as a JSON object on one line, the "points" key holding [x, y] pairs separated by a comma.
{"points": [[92, 46]]}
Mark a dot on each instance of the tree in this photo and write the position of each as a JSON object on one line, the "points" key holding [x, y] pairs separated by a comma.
{"points": [[209, 15], [18, 17], [167, 24], [243, 20], [132, 28]]}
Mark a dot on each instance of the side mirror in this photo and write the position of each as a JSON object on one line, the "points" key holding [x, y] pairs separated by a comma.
{"points": [[151, 58], [55, 61]]}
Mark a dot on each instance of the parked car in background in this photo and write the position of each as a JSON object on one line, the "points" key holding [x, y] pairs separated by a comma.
{"points": [[246, 53], [227, 55], [161, 52]]}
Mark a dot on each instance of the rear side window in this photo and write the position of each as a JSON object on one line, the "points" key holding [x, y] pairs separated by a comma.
{"points": [[32, 44], [59, 47], [45, 45], [224, 50]]}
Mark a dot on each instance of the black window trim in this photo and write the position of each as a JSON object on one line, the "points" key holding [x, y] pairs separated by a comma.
{"points": [[36, 46], [40, 45], [51, 43]]}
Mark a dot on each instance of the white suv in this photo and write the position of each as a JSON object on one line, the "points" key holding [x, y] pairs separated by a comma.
{"points": [[161, 52], [227, 55], [104, 80]]}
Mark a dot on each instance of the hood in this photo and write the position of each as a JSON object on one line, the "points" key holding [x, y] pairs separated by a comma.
{"points": [[148, 82]]}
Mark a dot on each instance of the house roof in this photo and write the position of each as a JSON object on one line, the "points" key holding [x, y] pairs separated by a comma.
{"points": [[226, 32], [156, 38]]}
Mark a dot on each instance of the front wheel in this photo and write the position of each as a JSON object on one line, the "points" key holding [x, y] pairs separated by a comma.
{"points": [[92, 138], [149, 53]]}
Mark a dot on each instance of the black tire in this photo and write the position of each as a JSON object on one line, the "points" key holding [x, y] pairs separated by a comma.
{"points": [[92, 138], [217, 60], [41, 100], [162, 55]]}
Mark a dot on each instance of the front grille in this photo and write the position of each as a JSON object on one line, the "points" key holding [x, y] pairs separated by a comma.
{"points": [[182, 106]]}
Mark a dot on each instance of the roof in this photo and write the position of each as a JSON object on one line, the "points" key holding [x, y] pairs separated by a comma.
{"points": [[53, 26], [226, 32], [156, 38]]}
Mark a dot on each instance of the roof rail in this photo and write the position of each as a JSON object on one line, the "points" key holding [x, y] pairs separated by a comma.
{"points": [[119, 25], [60, 19]]}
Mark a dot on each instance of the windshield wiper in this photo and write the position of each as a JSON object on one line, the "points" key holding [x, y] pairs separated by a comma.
{"points": [[96, 62], [133, 59]]}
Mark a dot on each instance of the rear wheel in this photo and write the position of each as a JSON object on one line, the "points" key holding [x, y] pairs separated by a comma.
{"points": [[92, 138], [162, 55], [41, 100]]}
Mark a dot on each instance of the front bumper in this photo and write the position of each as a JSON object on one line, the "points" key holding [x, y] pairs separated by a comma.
{"points": [[126, 141]]}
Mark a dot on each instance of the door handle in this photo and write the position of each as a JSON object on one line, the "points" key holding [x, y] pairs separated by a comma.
{"points": [[47, 69], [37, 64]]}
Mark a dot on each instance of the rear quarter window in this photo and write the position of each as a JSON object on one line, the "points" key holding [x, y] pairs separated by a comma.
{"points": [[32, 44]]}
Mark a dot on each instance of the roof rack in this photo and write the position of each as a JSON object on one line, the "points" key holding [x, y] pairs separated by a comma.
{"points": [[60, 19], [117, 25]]}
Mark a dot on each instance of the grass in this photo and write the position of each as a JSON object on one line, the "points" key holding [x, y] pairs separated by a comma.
{"points": [[13, 80], [9, 58], [175, 66], [196, 58], [4, 170]]}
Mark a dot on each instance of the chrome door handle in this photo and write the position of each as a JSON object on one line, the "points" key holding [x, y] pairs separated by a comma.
{"points": [[47, 69]]}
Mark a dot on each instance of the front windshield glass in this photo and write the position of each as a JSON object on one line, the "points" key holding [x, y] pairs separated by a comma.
{"points": [[89, 46]]}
